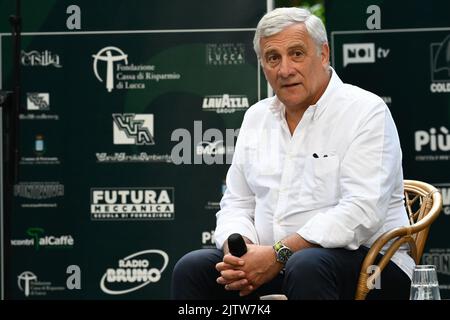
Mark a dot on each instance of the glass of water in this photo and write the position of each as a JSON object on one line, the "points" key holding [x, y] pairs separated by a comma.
{"points": [[424, 284]]}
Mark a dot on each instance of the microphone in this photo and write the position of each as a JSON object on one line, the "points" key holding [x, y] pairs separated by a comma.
{"points": [[236, 245]]}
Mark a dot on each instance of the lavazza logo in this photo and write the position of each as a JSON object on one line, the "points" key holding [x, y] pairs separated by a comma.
{"points": [[134, 272], [440, 66], [120, 75], [156, 203], [225, 103], [432, 144], [130, 128]]}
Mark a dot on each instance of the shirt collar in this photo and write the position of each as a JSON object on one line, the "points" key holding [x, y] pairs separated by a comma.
{"points": [[277, 107]]}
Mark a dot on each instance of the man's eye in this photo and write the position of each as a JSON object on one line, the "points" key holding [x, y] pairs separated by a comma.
{"points": [[298, 53], [272, 58]]}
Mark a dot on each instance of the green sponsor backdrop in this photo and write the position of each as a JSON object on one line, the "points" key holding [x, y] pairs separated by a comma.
{"points": [[407, 63], [89, 144], [97, 188]]}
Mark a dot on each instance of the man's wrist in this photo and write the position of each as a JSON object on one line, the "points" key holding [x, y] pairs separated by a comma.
{"points": [[282, 252]]}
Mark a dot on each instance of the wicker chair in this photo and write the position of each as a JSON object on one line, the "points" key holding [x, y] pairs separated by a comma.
{"points": [[423, 203]]}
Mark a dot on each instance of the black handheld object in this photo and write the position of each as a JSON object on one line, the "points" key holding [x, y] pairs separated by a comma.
{"points": [[237, 245]]}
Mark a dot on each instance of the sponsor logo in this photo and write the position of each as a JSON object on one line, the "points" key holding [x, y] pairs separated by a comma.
{"points": [[440, 66], [213, 148], [133, 129], [28, 283], [362, 53], [440, 257], [38, 239], [225, 54], [24, 281], [122, 157], [132, 204], [39, 144], [40, 59], [38, 101], [130, 128], [39, 151], [134, 272], [444, 188], [225, 103], [38, 191], [121, 75], [109, 58], [210, 146], [434, 141], [208, 239]]}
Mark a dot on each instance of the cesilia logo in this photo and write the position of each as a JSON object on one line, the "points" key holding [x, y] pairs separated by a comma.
{"points": [[35, 58]]}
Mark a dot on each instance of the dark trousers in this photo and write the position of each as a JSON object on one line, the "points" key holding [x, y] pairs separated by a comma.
{"points": [[313, 273]]}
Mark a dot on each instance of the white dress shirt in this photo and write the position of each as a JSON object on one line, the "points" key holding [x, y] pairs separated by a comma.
{"points": [[337, 181]]}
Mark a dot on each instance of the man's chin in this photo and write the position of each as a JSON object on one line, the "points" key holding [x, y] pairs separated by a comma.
{"points": [[292, 102]]}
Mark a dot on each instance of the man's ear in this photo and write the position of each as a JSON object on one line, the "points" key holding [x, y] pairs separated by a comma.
{"points": [[325, 55]]}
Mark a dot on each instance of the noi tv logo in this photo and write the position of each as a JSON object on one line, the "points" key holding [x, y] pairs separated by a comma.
{"points": [[106, 55], [359, 53], [362, 53], [134, 272]]}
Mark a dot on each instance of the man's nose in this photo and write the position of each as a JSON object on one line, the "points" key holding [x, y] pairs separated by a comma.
{"points": [[286, 68]]}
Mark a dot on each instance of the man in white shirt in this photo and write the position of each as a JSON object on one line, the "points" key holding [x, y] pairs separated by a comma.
{"points": [[316, 178]]}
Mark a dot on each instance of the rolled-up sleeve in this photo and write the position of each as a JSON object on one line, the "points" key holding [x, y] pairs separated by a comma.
{"points": [[367, 179]]}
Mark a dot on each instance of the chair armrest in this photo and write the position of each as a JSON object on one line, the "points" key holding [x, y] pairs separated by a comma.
{"points": [[402, 235]]}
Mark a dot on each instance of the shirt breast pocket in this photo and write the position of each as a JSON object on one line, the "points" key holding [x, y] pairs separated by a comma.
{"points": [[320, 183]]}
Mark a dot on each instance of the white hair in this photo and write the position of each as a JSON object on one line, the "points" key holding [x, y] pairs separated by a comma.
{"points": [[275, 21]]}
